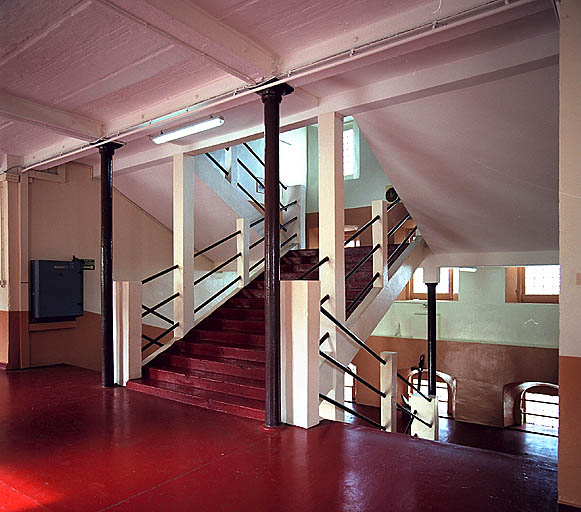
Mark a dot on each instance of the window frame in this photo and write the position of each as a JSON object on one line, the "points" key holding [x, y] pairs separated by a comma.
{"points": [[347, 126], [515, 276], [450, 295]]}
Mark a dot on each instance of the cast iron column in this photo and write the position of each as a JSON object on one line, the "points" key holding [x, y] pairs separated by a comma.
{"points": [[107, 151], [431, 338], [271, 99]]}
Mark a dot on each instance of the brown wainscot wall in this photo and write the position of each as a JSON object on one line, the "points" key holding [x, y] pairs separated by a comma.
{"points": [[481, 371]]}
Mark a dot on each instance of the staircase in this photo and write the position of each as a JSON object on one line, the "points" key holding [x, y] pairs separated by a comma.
{"points": [[219, 365]]}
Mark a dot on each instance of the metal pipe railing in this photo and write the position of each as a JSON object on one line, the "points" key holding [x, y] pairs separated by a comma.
{"points": [[353, 336], [261, 260], [361, 230], [159, 274], [250, 196], [362, 262], [350, 411], [219, 267], [217, 294], [150, 310], [352, 373], [323, 338], [217, 164], [392, 231], [155, 341], [159, 315], [394, 255], [216, 244], [287, 206], [417, 390], [255, 155], [362, 293], [313, 268], [393, 205], [414, 415], [252, 175]]}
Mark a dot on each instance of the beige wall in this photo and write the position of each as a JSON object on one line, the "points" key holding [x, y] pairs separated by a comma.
{"points": [[569, 251], [65, 222]]}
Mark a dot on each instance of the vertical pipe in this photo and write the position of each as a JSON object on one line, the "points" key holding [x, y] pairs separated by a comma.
{"points": [[431, 338], [271, 99], [107, 151]]}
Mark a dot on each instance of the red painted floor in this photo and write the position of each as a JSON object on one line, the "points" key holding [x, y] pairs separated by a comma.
{"points": [[68, 445], [504, 440]]}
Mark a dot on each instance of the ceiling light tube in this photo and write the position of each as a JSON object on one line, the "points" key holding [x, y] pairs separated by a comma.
{"points": [[201, 126], [467, 269]]}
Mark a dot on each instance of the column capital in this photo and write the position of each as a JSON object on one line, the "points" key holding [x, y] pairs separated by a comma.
{"points": [[275, 92], [109, 148]]}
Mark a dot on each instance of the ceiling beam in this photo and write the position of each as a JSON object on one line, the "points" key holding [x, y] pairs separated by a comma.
{"points": [[61, 121], [226, 37]]}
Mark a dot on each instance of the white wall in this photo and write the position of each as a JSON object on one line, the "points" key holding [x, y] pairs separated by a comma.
{"points": [[480, 315]]}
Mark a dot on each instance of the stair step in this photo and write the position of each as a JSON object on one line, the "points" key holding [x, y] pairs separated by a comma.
{"points": [[245, 407], [227, 384], [244, 302], [225, 324], [215, 364], [240, 313], [241, 338], [219, 349]]}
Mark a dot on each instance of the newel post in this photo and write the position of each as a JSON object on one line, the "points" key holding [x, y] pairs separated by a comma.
{"points": [[242, 247], [388, 385], [379, 233], [300, 328], [127, 299]]}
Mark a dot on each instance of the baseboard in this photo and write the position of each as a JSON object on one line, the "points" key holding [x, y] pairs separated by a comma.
{"points": [[568, 508], [3, 366]]}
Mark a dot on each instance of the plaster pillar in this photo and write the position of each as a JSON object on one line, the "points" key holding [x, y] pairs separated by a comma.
{"points": [[127, 300], [388, 385], [379, 234], [300, 327], [242, 246], [569, 253], [183, 242], [332, 237]]}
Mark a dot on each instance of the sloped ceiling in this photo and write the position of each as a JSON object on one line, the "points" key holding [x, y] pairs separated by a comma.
{"points": [[477, 168]]}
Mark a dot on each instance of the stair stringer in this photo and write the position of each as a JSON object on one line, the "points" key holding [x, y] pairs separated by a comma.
{"points": [[228, 192], [370, 312]]}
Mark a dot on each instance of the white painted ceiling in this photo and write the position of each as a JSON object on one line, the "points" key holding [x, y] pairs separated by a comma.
{"points": [[463, 117]]}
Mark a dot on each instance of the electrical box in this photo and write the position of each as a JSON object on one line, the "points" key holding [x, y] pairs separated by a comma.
{"points": [[56, 289]]}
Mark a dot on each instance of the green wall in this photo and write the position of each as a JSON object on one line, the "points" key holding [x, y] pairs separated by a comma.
{"points": [[479, 315]]}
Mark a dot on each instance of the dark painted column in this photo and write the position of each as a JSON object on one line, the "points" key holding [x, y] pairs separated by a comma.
{"points": [[271, 99], [431, 338], [107, 151]]}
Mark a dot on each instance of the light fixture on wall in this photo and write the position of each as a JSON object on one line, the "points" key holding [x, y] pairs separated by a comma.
{"points": [[467, 269], [200, 126]]}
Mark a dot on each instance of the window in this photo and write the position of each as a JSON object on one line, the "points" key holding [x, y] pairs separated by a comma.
{"points": [[447, 288], [350, 150], [540, 409], [538, 283]]}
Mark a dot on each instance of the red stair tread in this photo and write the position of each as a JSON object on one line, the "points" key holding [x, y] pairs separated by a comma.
{"points": [[221, 377], [221, 402]]}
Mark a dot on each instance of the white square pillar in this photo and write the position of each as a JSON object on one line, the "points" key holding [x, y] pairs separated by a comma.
{"points": [[332, 237], [183, 242], [388, 385], [300, 329]]}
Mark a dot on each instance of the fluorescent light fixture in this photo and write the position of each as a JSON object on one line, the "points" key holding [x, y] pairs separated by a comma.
{"points": [[467, 269], [201, 126]]}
